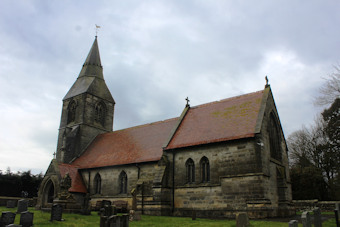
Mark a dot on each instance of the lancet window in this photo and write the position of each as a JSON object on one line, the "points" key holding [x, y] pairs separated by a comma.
{"points": [[123, 182], [97, 184], [205, 170], [190, 169]]}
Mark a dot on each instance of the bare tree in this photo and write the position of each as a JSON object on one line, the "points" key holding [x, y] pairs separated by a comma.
{"points": [[330, 89]]}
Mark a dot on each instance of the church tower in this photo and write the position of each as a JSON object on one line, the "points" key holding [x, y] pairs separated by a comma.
{"points": [[88, 109]]}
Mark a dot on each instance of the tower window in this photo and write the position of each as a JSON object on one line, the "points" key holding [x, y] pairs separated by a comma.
{"points": [[205, 170], [100, 113], [71, 116], [123, 182], [97, 184], [190, 167]]}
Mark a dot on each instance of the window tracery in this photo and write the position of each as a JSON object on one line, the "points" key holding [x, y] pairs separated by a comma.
{"points": [[71, 113], [205, 170], [190, 171], [97, 184], [100, 113], [123, 182]]}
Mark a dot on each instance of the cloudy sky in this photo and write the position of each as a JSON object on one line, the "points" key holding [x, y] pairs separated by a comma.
{"points": [[155, 54]]}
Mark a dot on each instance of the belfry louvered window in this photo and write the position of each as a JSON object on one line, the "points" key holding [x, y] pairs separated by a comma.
{"points": [[71, 111], [190, 171], [100, 113]]}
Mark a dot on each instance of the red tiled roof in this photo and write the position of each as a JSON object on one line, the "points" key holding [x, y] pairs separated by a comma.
{"points": [[224, 120], [77, 181], [133, 145]]}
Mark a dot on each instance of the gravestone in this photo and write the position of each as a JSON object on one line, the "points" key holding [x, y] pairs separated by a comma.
{"points": [[337, 207], [293, 223], [56, 212], [336, 212], [113, 221], [242, 219], [317, 217], [124, 220], [193, 215], [26, 219], [13, 225], [305, 218], [22, 205], [7, 218], [10, 203]]}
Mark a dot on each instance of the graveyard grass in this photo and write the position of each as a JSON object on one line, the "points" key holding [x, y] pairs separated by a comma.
{"points": [[75, 220]]}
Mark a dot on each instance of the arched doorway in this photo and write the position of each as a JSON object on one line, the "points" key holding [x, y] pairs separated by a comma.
{"points": [[49, 193]]}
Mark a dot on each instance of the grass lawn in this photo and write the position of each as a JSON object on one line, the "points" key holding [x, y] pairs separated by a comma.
{"points": [[72, 220]]}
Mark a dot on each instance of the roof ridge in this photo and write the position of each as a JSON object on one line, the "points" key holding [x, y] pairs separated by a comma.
{"points": [[144, 125], [226, 99]]}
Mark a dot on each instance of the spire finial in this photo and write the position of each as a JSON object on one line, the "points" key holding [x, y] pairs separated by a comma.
{"points": [[187, 99], [97, 28]]}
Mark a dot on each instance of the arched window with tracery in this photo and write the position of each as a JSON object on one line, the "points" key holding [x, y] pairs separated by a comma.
{"points": [[274, 138], [205, 170], [100, 113], [190, 167], [123, 182], [71, 111], [97, 184]]}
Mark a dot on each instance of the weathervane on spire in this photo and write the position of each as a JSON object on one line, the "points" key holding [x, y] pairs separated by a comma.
{"points": [[97, 28]]}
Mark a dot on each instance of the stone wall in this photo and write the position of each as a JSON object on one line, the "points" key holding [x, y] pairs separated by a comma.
{"points": [[309, 205]]}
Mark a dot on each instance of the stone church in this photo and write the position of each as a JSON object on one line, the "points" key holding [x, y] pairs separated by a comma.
{"points": [[217, 158]]}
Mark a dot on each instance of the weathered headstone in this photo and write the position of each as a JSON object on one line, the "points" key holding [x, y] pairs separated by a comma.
{"points": [[22, 205], [26, 219], [242, 219], [305, 218], [112, 221], [317, 217], [124, 219], [337, 207], [7, 218], [293, 223], [56, 212], [10, 203], [336, 212]]}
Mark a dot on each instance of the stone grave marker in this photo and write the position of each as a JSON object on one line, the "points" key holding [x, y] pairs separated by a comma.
{"points": [[242, 219], [124, 220], [293, 223], [26, 219], [7, 218], [56, 212], [317, 217], [22, 205], [10, 203], [112, 221], [305, 218]]}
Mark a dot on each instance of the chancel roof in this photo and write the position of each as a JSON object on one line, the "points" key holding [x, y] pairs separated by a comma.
{"points": [[133, 145], [224, 120]]}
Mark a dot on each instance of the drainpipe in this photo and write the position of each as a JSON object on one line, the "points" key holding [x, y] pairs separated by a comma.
{"points": [[173, 182]]}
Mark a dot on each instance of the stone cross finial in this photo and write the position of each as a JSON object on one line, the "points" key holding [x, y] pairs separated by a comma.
{"points": [[54, 155], [266, 80], [187, 99]]}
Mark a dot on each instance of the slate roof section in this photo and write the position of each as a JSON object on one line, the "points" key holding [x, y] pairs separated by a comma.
{"points": [[77, 181], [228, 119], [133, 145]]}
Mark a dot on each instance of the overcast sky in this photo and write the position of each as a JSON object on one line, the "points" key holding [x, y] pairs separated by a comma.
{"points": [[154, 55]]}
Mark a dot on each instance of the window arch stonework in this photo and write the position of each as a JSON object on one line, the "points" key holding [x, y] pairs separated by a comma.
{"points": [[123, 182], [190, 171], [274, 138], [205, 170], [97, 184]]}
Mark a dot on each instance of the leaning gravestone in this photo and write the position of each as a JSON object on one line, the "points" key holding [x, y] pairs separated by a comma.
{"points": [[26, 219], [317, 217], [7, 218], [124, 220], [293, 223], [10, 204], [305, 218], [242, 219], [56, 212], [22, 205]]}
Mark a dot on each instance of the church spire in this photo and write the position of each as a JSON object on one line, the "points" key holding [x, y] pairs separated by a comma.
{"points": [[92, 65]]}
